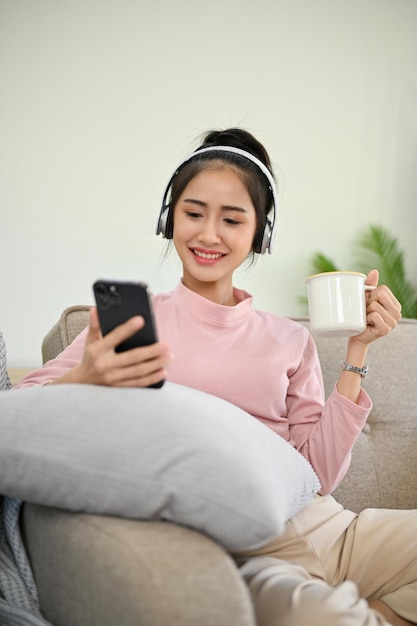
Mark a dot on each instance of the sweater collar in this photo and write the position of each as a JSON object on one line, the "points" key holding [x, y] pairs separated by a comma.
{"points": [[211, 311]]}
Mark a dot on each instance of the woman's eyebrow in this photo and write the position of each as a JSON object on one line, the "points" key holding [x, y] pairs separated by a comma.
{"points": [[226, 207], [192, 201]]}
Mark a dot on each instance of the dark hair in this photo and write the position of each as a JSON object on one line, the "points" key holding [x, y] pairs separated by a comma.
{"points": [[254, 180]]}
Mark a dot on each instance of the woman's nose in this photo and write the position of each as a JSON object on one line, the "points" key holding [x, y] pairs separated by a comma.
{"points": [[208, 233]]}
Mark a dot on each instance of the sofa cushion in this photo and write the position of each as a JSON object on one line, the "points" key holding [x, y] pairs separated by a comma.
{"points": [[174, 454]]}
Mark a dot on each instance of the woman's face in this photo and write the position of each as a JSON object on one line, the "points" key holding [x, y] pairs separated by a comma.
{"points": [[214, 227]]}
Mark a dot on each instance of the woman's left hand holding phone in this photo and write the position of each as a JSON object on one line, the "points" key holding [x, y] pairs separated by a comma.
{"points": [[102, 365]]}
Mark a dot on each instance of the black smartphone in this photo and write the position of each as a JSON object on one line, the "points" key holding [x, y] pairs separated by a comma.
{"points": [[118, 301]]}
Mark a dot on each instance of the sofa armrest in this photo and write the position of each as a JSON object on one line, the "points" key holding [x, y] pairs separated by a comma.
{"points": [[102, 571], [72, 321]]}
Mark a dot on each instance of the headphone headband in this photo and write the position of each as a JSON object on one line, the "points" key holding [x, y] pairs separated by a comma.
{"points": [[270, 225]]}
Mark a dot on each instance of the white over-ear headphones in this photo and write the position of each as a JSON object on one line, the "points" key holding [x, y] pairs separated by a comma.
{"points": [[269, 230]]}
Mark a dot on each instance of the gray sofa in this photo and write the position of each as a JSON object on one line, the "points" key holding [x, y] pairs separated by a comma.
{"points": [[101, 571]]}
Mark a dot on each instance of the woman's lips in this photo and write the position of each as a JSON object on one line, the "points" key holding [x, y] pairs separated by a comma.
{"points": [[206, 257]]}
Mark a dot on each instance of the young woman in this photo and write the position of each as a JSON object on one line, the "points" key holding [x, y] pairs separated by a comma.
{"points": [[219, 209]]}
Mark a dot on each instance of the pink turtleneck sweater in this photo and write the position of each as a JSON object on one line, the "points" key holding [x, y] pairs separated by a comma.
{"points": [[264, 363]]}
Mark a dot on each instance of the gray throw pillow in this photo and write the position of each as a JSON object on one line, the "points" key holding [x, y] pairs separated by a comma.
{"points": [[174, 454]]}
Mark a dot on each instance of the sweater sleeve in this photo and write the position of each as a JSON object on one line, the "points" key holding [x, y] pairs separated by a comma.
{"points": [[323, 431], [55, 368]]}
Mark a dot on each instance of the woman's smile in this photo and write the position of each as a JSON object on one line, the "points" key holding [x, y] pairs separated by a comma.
{"points": [[206, 257]]}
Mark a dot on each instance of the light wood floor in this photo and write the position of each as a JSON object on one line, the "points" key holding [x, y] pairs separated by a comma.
{"points": [[17, 373]]}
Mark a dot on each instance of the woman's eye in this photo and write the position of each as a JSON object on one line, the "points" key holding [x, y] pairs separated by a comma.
{"points": [[193, 214], [231, 221]]}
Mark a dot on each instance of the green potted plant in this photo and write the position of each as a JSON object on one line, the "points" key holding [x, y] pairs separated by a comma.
{"points": [[375, 247]]}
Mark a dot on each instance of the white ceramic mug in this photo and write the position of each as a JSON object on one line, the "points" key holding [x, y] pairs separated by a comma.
{"points": [[337, 304]]}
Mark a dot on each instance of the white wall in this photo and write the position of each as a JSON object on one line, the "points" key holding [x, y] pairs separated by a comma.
{"points": [[100, 100]]}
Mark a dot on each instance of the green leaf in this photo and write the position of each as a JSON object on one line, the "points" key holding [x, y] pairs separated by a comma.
{"points": [[377, 248], [321, 263]]}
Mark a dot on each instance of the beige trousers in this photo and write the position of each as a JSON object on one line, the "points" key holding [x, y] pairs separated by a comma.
{"points": [[329, 561]]}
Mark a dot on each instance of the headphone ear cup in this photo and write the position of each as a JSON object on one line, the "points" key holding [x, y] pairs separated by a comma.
{"points": [[266, 239], [162, 221]]}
